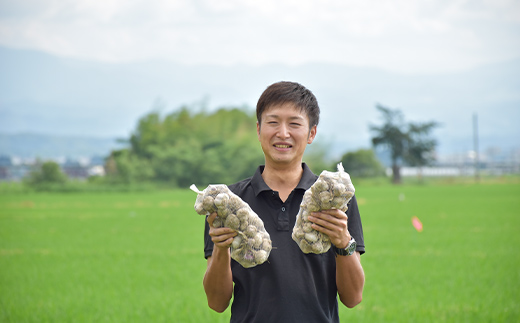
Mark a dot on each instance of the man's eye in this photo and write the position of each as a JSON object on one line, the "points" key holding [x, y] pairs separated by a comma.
{"points": [[295, 124]]}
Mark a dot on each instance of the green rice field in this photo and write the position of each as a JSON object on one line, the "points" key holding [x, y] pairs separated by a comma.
{"points": [[138, 257]]}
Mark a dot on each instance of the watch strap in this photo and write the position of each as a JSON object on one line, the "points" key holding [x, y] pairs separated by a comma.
{"points": [[349, 250]]}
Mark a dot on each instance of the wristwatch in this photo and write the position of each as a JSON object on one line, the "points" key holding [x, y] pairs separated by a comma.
{"points": [[349, 250]]}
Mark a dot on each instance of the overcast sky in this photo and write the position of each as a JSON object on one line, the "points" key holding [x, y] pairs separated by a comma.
{"points": [[442, 60], [403, 36]]}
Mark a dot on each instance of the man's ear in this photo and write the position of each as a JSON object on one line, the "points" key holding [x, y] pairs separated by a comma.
{"points": [[258, 130], [312, 134]]}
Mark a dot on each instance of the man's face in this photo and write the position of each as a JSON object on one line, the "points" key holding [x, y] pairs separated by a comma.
{"points": [[284, 134]]}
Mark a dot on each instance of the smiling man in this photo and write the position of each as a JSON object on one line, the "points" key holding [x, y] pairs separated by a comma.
{"points": [[291, 286]]}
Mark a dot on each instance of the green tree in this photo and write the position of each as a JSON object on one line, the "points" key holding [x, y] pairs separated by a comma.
{"points": [[46, 175], [186, 147], [362, 163], [421, 147], [317, 155], [124, 167], [407, 142]]}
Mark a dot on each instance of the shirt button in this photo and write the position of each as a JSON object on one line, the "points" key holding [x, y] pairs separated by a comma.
{"points": [[283, 208]]}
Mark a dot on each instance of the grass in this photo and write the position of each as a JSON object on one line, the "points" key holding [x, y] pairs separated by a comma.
{"points": [[464, 266], [137, 256], [101, 258]]}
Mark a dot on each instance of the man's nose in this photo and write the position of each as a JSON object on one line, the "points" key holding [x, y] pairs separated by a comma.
{"points": [[283, 131]]}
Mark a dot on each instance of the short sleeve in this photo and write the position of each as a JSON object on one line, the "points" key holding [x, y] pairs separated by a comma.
{"points": [[354, 225], [208, 244]]}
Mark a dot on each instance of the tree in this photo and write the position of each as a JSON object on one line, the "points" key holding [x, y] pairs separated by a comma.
{"points": [[124, 167], [45, 175], [421, 147], [408, 142], [316, 156], [184, 147], [362, 163]]}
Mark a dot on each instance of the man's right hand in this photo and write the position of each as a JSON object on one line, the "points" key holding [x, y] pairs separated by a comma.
{"points": [[221, 237], [218, 280]]}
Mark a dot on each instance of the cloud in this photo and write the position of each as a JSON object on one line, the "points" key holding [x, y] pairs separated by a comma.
{"points": [[402, 35]]}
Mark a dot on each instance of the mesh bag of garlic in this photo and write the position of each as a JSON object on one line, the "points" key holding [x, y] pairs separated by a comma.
{"points": [[332, 190], [252, 245]]}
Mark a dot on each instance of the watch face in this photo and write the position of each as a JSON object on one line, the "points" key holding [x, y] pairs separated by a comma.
{"points": [[352, 247], [349, 250]]}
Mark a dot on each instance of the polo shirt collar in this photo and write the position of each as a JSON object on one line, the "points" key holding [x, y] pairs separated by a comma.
{"points": [[258, 184]]}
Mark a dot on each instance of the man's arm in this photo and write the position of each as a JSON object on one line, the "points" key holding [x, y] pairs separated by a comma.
{"points": [[218, 279], [350, 277]]}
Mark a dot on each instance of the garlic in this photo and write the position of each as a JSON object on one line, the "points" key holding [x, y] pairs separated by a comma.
{"points": [[332, 190], [232, 222], [252, 245], [311, 237], [217, 223], [221, 200]]}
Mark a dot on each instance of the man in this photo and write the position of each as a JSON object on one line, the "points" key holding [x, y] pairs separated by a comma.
{"points": [[291, 286]]}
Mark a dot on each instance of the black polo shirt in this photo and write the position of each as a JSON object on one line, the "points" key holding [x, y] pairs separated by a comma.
{"points": [[291, 286]]}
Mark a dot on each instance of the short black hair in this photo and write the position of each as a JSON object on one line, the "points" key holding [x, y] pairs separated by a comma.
{"points": [[289, 92]]}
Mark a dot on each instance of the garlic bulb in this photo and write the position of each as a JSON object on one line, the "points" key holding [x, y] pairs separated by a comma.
{"points": [[252, 245], [332, 190]]}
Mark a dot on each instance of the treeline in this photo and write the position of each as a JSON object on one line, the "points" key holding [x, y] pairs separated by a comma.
{"points": [[187, 147], [200, 147]]}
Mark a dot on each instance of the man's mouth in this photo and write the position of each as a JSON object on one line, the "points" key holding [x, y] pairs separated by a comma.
{"points": [[283, 146]]}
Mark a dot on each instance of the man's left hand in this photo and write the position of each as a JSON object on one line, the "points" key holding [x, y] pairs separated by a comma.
{"points": [[333, 223]]}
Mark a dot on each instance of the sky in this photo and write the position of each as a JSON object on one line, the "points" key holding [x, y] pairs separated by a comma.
{"points": [[403, 36], [435, 60]]}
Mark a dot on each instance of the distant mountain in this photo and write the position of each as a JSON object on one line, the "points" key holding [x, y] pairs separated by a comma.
{"points": [[40, 93], [29, 145]]}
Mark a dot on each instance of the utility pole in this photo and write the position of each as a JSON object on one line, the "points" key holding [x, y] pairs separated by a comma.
{"points": [[475, 147]]}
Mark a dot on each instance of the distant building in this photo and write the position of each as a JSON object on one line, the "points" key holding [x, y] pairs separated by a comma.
{"points": [[12, 169], [15, 169]]}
